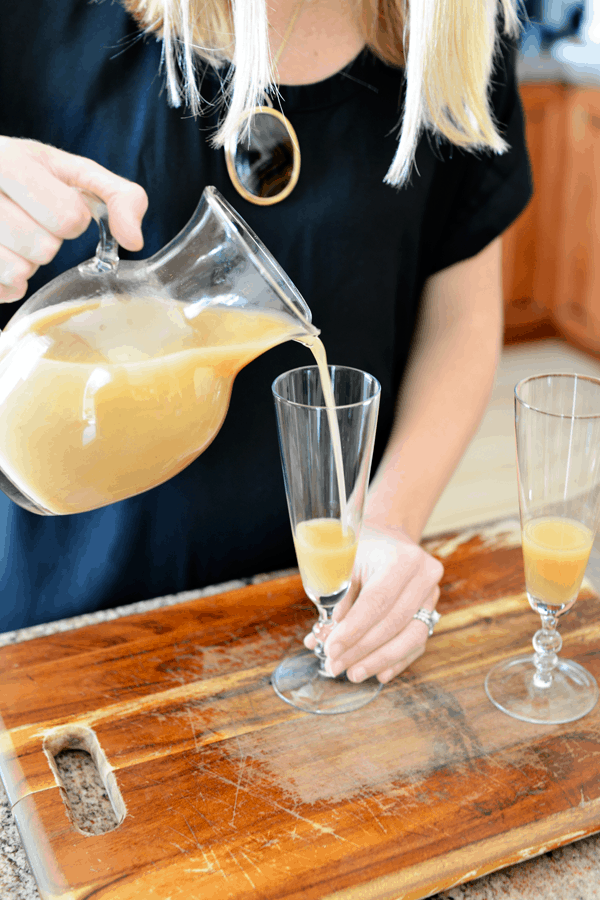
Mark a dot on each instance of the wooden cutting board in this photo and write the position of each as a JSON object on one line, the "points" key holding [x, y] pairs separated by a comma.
{"points": [[227, 792]]}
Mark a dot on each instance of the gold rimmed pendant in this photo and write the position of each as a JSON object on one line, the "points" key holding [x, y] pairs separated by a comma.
{"points": [[264, 164]]}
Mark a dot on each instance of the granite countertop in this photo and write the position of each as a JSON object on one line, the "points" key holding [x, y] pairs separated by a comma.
{"points": [[568, 873]]}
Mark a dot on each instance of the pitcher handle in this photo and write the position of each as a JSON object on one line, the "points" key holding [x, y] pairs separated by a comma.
{"points": [[107, 251]]}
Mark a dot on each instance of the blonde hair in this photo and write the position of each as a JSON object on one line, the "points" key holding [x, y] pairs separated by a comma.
{"points": [[447, 47]]}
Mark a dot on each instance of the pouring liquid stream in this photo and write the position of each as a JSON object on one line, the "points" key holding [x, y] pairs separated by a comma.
{"points": [[326, 547], [317, 347]]}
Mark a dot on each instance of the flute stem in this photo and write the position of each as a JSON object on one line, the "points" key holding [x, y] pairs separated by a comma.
{"points": [[546, 643], [321, 630]]}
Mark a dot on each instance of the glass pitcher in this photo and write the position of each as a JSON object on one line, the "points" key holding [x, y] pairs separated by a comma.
{"points": [[116, 375]]}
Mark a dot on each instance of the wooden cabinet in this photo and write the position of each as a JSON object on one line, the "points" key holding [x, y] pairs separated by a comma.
{"points": [[552, 252], [576, 308], [529, 265]]}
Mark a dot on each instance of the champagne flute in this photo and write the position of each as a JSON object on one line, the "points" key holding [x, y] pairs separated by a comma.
{"points": [[325, 525], [557, 419]]}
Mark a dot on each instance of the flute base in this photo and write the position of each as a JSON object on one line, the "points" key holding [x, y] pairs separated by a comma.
{"points": [[298, 681], [572, 694]]}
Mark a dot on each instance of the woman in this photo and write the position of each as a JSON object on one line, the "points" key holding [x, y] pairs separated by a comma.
{"points": [[395, 245]]}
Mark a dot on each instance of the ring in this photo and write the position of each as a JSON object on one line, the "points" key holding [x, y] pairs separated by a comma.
{"points": [[430, 618]]}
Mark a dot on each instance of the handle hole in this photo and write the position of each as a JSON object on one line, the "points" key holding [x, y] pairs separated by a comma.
{"points": [[87, 783]]}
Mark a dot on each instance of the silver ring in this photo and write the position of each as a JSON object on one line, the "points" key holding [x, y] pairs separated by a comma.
{"points": [[430, 618]]}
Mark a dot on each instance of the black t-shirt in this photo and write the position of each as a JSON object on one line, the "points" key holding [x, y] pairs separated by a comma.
{"points": [[79, 76]]}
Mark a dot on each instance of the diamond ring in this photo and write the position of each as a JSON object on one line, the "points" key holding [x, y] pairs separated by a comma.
{"points": [[430, 618]]}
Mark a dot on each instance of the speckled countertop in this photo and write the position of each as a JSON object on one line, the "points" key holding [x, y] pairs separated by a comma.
{"points": [[568, 873]]}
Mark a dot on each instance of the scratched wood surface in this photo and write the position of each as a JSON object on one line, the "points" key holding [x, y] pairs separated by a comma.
{"points": [[226, 792]]}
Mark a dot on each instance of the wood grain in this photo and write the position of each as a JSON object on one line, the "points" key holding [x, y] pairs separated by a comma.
{"points": [[227, 792]]}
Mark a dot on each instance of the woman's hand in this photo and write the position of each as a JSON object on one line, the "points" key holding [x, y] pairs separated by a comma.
{"points": [[39, 207], [376, 634]]}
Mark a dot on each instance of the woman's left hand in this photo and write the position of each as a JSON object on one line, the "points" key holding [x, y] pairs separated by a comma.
{"points": [[377, 634]]}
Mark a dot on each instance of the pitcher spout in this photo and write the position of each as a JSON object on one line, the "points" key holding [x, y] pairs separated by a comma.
{"points": [[217, 260]]}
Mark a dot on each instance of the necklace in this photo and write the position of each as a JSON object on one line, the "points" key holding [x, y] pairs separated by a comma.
{"points": [[264, 168], [288, 31]]}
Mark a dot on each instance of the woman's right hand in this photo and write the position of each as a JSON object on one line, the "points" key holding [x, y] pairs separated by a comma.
{"points": [[39, 207]]}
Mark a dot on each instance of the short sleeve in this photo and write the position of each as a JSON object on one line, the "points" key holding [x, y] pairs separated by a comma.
{"points": [[479, 195]]}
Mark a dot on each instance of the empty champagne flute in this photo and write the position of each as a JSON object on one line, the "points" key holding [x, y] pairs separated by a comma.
{"points": [[557, 419], [326, 480]]}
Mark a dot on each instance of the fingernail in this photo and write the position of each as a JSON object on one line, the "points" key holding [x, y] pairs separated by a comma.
{"points": [[358, 674], [333, 650], [7, 272], [334, 669]]}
